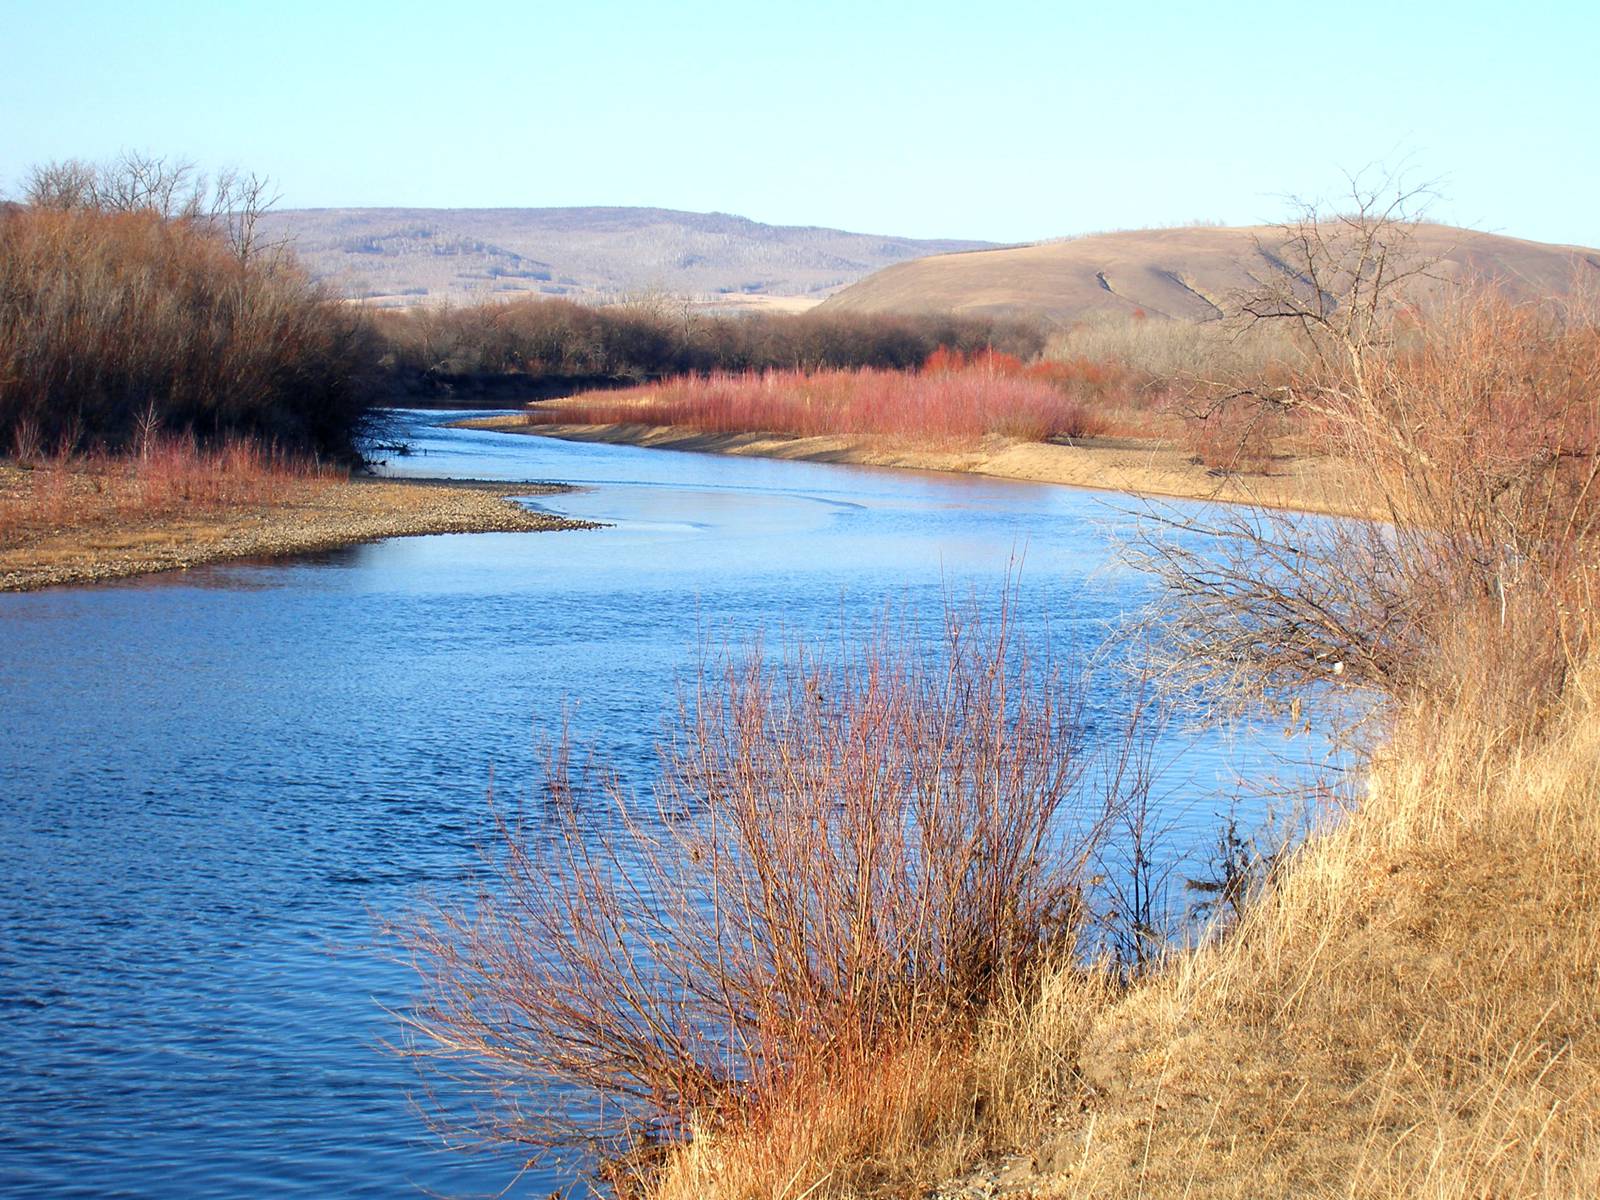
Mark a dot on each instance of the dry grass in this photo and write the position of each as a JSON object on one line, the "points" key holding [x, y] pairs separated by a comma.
{"points": [[1411, 1011], [912, 1118], [1187, 274]]}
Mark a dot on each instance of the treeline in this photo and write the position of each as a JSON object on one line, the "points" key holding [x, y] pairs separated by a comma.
{"points": [[136, 297], [543, 339], [127, 307]]}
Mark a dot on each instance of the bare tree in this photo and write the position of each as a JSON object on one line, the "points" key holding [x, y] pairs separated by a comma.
{"points": [[233, 201], [1335, 280], [68, 184], [1339, 277], [238, 202]]}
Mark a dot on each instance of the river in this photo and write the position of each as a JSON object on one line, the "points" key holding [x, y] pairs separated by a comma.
{"points": [[210, 781]]}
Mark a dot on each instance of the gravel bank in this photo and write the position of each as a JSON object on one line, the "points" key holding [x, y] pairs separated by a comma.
{"points": [[89, 545]]}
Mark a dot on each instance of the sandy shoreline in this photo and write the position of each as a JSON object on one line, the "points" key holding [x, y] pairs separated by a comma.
{"points": [[1303, 484], [319, 515]]}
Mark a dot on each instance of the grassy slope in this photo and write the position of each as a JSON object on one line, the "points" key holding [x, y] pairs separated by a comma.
{"points": [[1413, 1013], [1182, 273]]}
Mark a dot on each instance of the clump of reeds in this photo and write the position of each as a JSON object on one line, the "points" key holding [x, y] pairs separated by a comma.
{"points": [[164, 476]]}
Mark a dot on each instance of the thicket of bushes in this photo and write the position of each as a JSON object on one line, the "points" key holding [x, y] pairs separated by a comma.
{"points": [[113, 323], [651, 340]]}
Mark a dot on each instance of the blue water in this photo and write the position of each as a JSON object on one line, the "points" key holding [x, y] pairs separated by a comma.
{"points": [[211, 781]]}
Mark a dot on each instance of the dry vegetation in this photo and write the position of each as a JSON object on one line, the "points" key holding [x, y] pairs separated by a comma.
{"points": [[1187, 274], [95, 516], [1123, 372], [839, 856], [1135, 380], [128, 302], [1404, 1005], [166, 477], [1156, 384], [952, 401], [651, 338], [174, 390], [1408, 1010]]}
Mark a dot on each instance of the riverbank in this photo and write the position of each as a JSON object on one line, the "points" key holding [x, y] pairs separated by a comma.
{"points": [[1413, 1012], [1119, 465], [79, 533], [1409, 1010]]}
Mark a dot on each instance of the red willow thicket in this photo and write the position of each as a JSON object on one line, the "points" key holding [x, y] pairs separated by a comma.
{"points": [[841, 859], [947, 406], [954, 400]]}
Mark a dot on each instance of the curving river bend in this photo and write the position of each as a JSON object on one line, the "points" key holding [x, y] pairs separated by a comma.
{"points": [[209, 781]]}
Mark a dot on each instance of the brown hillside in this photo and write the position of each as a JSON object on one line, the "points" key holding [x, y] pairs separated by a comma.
{"points": [[1189, 273]]}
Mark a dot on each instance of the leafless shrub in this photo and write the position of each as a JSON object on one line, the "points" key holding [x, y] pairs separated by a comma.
{"points": [[1339, 279], [843, 861], [1471, 434]]}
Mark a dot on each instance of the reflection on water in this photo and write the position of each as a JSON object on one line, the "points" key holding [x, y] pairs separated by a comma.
{"points": [[210, 779]]}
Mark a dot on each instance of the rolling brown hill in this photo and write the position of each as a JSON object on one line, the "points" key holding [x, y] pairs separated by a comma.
{"points": [[1189, 273], [402, 256]]}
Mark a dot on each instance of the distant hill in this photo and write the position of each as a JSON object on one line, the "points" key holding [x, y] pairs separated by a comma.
{"points": [[1187, 273], [416, 255]]}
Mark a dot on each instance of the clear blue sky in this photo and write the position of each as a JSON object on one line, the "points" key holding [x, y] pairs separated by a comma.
{"points": [[1006, 121]]}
